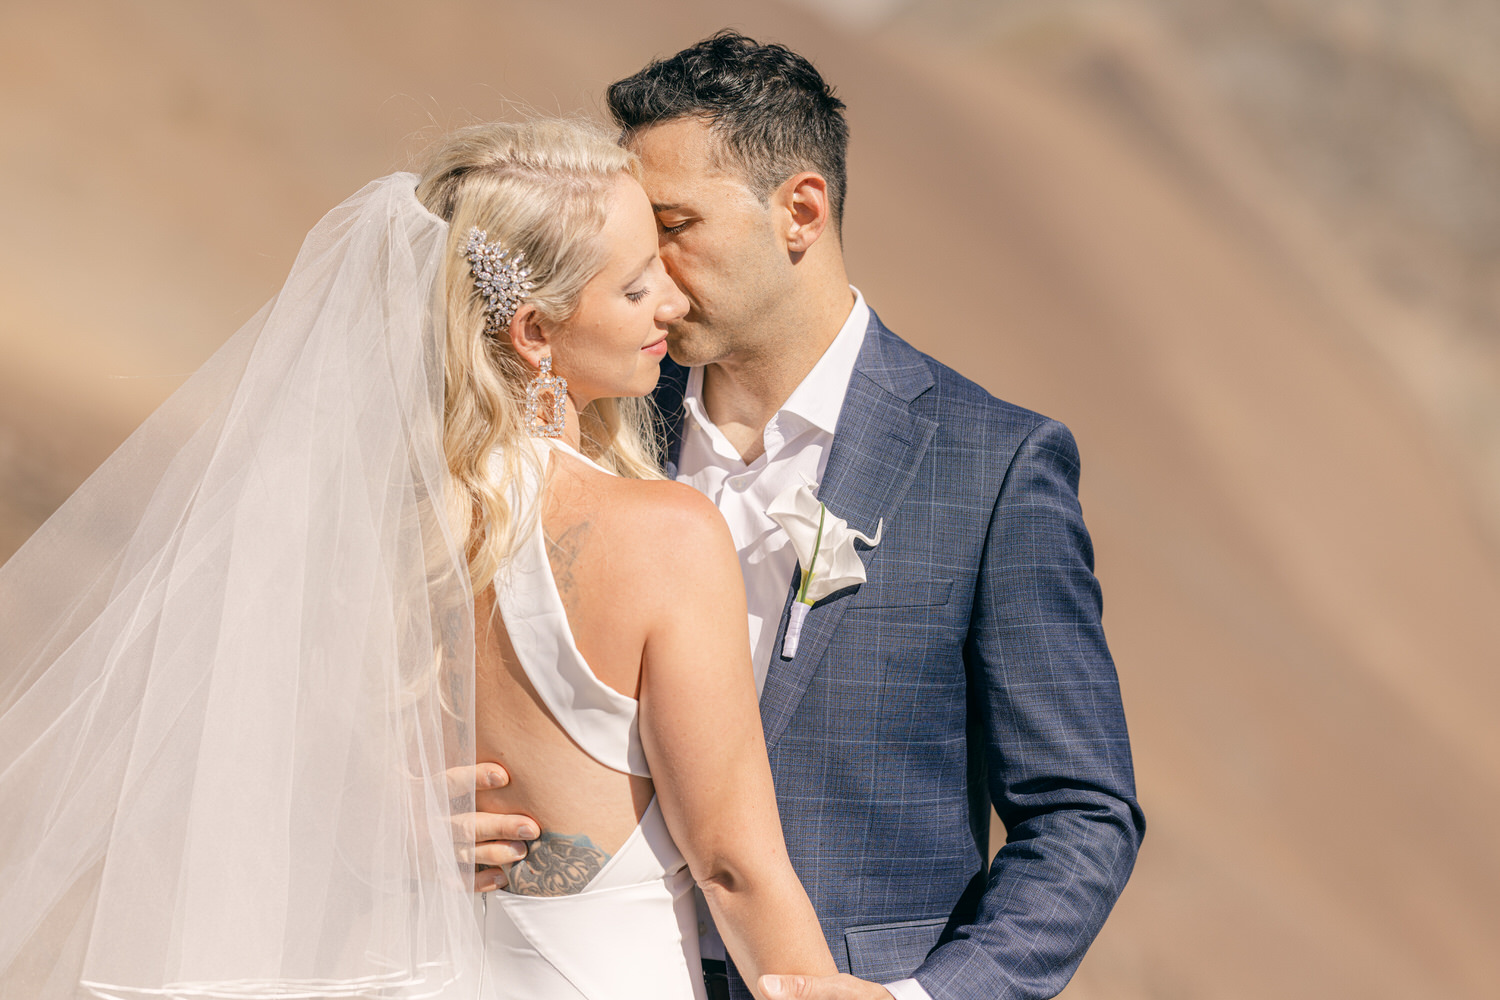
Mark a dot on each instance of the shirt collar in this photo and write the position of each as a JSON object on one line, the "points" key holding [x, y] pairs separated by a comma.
{"points": [[820, 395]]}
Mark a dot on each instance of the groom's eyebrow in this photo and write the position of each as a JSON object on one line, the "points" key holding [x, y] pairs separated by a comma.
{"points": [[655, 207]]}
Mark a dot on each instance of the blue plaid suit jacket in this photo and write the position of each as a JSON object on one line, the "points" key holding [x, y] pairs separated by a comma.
{"points": [[969, 669]]}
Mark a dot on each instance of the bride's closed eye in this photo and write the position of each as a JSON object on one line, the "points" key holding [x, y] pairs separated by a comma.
{"points": [[639, 295]]}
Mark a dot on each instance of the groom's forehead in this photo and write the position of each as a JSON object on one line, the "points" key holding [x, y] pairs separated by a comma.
{"points": [[679, 152]]}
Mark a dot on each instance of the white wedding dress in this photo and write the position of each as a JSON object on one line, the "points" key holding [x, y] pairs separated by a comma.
{"points": [[237, 665], [631, 934]]}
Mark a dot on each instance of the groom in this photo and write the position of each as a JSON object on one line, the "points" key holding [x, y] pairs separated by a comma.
{"points": [[970, 668]]}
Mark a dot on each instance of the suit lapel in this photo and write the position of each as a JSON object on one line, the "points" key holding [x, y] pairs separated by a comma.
{"points": [[876, 451], [667, 400]]}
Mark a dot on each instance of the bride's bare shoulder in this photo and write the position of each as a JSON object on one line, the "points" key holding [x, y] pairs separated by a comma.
{"points": [[672, 510], [659, 524]]}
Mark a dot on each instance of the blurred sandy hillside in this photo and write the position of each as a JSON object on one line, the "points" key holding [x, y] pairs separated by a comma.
{"points": [[1080, 211], [1381, 117]]}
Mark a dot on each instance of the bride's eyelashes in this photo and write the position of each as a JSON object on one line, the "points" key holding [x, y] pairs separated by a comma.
{"points": [[636, 297]]}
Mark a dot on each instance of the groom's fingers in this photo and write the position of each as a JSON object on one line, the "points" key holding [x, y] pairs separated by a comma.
{"points": [[480, 828], [477, 778], [496, 853], [489, 879], [490, 842]]}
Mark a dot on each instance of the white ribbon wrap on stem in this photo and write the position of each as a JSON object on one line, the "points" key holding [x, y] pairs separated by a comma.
{"points": [[794, 629]]}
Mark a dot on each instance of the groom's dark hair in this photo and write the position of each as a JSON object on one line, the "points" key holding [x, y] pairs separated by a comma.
{"points": [[771, 111]]}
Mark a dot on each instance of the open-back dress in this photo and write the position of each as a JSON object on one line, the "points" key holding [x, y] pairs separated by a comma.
{"points": [[631, 934]]}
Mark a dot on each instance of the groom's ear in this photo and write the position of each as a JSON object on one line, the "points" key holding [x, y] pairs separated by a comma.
{"points": [[803, 199]]}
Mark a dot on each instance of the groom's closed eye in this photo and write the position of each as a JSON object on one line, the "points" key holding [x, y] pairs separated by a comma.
{"points": [[672, 218]]}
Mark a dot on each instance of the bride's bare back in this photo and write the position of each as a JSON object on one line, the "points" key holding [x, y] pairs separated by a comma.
{"points": [[650, 582], [586, 810]]}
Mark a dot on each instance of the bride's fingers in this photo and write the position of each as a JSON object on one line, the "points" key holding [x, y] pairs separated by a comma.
{"points": [[468, 778], [837, 987]]}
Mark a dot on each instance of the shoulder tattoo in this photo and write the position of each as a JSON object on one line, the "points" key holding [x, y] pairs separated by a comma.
{"points": [[563, 551]]}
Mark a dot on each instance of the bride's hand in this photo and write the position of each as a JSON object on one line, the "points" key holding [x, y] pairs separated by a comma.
{"points": [[840, 987], [487, 839]]}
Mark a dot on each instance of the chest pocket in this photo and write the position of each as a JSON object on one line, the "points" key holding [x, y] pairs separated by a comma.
{"points": [[905, 594]]}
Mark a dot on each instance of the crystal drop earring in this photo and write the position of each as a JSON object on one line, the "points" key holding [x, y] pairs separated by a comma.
{"points": [[547, 384]]}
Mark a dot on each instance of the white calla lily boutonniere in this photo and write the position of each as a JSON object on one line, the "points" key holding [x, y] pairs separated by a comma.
{"points": [[824, 543]]}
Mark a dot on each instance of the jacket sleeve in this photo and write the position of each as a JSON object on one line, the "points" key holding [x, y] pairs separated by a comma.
{"points": [[1056, 751]]}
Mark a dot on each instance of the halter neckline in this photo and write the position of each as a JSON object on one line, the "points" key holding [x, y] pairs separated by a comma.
{"points": [[575, 453], [602, 721]]}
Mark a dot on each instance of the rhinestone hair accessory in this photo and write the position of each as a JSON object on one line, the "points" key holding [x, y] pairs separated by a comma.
{"points": [[500, 276], [556, 388]]}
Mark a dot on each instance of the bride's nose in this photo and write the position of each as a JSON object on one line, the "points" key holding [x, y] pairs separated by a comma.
{"points": [[674, 305]]}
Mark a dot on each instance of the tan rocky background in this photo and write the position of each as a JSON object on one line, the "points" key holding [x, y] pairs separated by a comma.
{"points": [[1247, 249]]}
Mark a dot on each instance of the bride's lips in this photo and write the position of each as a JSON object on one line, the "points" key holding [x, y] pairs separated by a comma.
{"points": [[657, 349]]}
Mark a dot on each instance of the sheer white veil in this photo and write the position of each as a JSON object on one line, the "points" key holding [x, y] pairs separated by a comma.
{"points": [[235, 664]]}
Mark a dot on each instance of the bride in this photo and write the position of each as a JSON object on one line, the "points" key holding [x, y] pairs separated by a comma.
{"points": [[408, 519]]}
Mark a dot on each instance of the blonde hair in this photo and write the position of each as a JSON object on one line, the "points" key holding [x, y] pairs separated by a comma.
{"points": [[540, 187]]}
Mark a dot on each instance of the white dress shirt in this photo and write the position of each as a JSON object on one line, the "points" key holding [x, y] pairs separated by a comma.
{"points": [[797, 440]]}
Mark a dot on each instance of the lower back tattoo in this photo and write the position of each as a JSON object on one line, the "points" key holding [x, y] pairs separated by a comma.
{"points": [[556, 864]]}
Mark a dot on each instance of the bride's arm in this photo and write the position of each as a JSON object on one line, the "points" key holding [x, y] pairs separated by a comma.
{"points": [[700, 725]]}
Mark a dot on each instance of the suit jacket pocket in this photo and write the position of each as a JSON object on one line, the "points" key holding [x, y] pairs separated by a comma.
{"points": [[904, 594], [884, 953]]}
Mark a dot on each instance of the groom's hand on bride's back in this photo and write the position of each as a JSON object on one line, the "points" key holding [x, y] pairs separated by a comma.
{"points": [[485, 838]]}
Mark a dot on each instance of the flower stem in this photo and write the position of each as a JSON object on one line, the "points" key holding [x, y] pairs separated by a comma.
{"points": [[817, 544]]}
